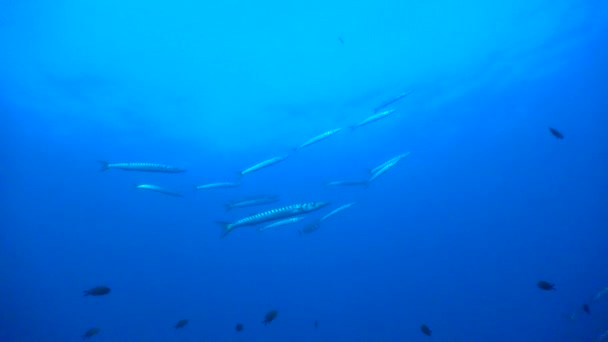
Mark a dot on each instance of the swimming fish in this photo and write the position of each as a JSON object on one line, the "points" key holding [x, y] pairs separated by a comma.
{"points": [[391, 101], [397, 159], [90, 333], [147, 167], [158, 189], [250, 202], [600, 295], [217, 185], [239, 327], [181, 323], [319, 138], [310, 228], [282, 223], [336, 211], [264, 164], [556, 133], [347, 183], [272, 215], [543, 285], [373, 118], [384, 168], [425, 330], [270, 316], [97, 291], [586, 309]]}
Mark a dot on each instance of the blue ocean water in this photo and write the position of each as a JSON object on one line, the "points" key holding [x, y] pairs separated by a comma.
{"points": [[455, 237]]}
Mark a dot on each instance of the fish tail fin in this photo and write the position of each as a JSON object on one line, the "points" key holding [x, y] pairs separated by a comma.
{"points": [[226, 228], [104, 165]]}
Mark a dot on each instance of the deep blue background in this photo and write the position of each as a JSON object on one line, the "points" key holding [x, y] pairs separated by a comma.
{"points": [[455, 237]]}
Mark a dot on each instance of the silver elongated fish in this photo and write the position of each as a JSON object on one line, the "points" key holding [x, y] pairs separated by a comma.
{"points": [[318, 138], [373, 118], [272, 215], [156, 188], [336, 211], [217, 185], [265, 163], [148, 167], [391, 101], [250, 202], [387, 166], [347, 183], [397, 158], [282, 223]]}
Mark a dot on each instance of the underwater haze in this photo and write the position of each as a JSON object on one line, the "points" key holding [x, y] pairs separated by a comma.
{"points": [[506, 187]]}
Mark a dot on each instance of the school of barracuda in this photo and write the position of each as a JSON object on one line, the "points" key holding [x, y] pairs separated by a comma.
{"points": [[282, 215]]}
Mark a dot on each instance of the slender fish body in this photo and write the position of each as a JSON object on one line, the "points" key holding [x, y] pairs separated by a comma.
{"points": [[397, 158], [347, 183], [156, 188], [391, 101], [282, 223], [217, 185], [272, 215], [382, 170], [373, 118], [336, 211], [318, 138], [146, 167], [264, 164], [250, 202]]}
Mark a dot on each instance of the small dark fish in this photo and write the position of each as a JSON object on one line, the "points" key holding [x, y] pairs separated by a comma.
{"points": [[316, 324], [341, 40], [543, 285], [239, 327], [425, 330], [181, 323], [586, 309], [90, 333], [270, 316], [97, 291], [556, 133]]}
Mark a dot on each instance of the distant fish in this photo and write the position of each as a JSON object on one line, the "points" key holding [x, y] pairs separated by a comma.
{"points": [[272, 215], [600, 295], [250, 202], [158, 189], [391, 101], [341, 40], [282, 223], [310, 228], [270, 316], [425, 330], [264, 164], [316, 324], [97, 291], [382, 169], [397, 158], [90, 333], [586, 309], [181, 323], [147, 167], [373, 118], [336, 211], [556, 133], [217, 185], [347, 183], [318, 138], [543, 285], [239, 327]]}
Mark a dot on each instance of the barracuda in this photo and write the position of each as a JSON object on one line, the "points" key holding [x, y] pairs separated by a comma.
{"points": [[394, 159], [319, 138], [265, 163], [282, 223], [347, 183], [391, 101], [147, 167], [373, 118], [336, 211], [217, 185], [272, 215], [250, 202], [156, 188]]}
